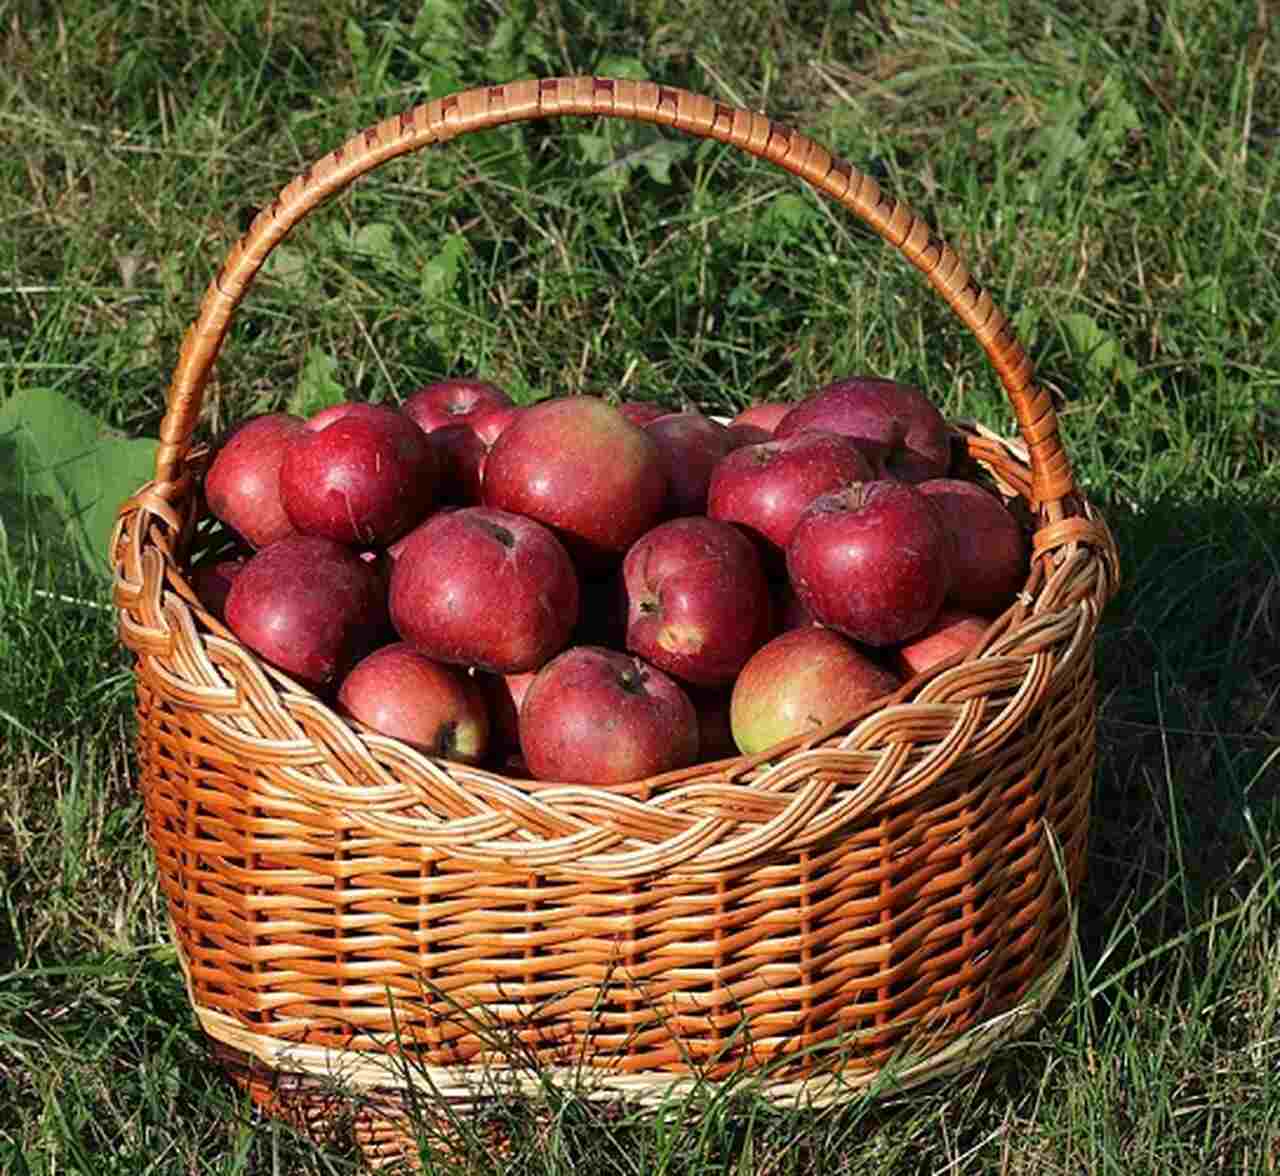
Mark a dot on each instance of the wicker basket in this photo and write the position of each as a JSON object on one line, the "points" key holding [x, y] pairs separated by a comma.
{"points": [[895, 891]]}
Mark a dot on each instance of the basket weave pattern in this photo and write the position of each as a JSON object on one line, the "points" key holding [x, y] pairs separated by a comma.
{"points": [[892, 883]]}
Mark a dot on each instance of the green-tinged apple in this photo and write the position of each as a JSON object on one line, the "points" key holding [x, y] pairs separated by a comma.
{"points": [[799, 682], [400, 692]]}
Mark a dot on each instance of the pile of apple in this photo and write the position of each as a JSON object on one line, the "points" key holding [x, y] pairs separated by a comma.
{"points": [[577, 591]]}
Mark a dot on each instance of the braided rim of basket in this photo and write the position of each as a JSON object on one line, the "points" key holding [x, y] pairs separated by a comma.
{"points": [[707, 817]]}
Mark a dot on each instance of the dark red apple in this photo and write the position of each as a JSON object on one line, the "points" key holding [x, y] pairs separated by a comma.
{"points": [[740, 435], [597, 716], [691, 445], [790, 609], [715, 731], [461, 455], [697, 601], [489, 423], [310, 606], [436, 708], [872, 561], [242, 485], [899, 428], [453, 402], [766, 415], [486, 588], [505, 695], [212, 581], [952, 631], [365, 479], [766, 487], [578, 465], [990, 561], [800, 681]]}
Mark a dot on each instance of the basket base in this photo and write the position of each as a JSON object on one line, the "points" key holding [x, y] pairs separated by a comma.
{"points": [[391, 1110]]}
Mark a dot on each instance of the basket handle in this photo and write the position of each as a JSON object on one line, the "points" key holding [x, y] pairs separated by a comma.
{"points": [[441, 119]]}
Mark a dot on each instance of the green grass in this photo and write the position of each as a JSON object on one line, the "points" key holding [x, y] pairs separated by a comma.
{"points": [[1109, 170]]}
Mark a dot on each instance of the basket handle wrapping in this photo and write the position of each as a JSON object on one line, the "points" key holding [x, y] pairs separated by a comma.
{"points": [[1052, 484]]}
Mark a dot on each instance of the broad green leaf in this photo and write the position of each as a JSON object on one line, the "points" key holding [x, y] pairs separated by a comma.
{"points": [[318, 385], [440, 273], [1102, 352], [62, 463], [378, 239]]}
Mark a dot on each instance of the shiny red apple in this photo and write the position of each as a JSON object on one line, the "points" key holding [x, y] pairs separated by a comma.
{"points": [[800, 681], [872, 561], [899, 429], [453, 402], [486, 588], [365, 479], [310, 606], [242, 485], [697, 601], [597, 716], [766, 487]]}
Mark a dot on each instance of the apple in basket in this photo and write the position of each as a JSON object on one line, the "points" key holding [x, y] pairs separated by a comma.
{"points": [[766, 487], [989, 557], [953, 631], [799, 682], [696, 598], [577, 465], [765, 415], [691, 445], [453, 402], [310, 606], [485, 588], [366, 478], [872, 561], [438, 709], [242, 486], [598, 716], [898, 427]]}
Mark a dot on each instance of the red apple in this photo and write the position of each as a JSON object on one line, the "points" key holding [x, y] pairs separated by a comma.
{"points": [[489, 423], [453, 402], [697, 601], [365, 479], [766, 487], [766, 415], [872, 561], [578, 465], [800, 681], [952, 631], [790, 609], [309, 606], [740, 435], [899, 428], [436, 708], [691, 445], [990, 561], [485, 588], [597, 716], [242, 485], [641, 412], [212, 581], [326, 416]]}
